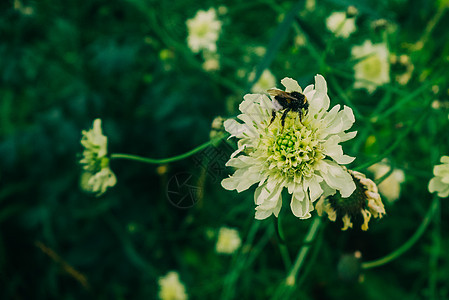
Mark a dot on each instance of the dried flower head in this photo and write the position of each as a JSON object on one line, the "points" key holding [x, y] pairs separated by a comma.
{"points": [[362, 204], [303, 156]]}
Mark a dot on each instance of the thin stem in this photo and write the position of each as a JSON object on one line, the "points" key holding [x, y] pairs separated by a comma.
{"points": [[291, 278], [407, 245], [165, 160], [283, 249]]}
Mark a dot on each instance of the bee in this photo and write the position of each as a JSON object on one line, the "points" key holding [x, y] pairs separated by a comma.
{"points": [[288, 101]]}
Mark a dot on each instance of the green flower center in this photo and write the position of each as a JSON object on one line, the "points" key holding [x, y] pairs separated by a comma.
{"points": [[372, 66], [293, 149], [202, 29]]}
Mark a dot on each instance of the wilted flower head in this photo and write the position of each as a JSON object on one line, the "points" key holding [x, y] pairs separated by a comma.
{"points": [[303, 156], [265, 82], [203, 30], [373, 68], [171, 288], [390, 187], [228, 241], [340, 24], [97, 176], [440, 183], [362, 204]]}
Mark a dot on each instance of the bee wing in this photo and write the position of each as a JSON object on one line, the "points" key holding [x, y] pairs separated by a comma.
{"points": [[277, 92]]}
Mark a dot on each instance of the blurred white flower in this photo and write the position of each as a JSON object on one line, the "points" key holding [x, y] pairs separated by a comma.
{"points": [[373, 68], [211, 62], [303, 156], [440, 183], [362, 204], [97, 175], [171, 288], [265, 82], [340, 24], [390, 187], [203, 31], [228, 241]]}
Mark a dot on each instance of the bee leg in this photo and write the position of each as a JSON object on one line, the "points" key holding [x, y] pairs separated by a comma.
{"points": [[284, 115], [273, 116]]}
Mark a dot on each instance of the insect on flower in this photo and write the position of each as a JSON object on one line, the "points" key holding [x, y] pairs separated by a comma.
{"points": [[288, 101]]}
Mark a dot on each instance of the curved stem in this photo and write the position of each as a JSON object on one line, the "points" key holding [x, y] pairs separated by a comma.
{"points": [[407, 245], [164, 160]]}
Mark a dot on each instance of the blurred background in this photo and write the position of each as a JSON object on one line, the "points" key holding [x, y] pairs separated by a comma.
{"points": [[130, 63]]}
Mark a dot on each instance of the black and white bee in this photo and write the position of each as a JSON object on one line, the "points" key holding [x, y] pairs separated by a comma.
{"points": [[288, 101]]}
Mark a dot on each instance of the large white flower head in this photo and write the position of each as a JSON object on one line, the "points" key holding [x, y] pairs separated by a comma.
{"points": [[304, 156], [203, 30], [440, 183], [228, 240], [340, 24], [373, 69], [171, 288], [97, 176]]}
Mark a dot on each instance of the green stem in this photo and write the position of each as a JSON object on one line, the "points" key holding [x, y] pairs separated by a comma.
{"points": [[165, 160], [407, 245], [283, 249], [291, 278]]}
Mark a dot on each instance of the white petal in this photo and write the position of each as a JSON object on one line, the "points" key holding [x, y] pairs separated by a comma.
{"points": [[315, 189], [337, 178], [291, 85], [235, 128], [300, 205]]}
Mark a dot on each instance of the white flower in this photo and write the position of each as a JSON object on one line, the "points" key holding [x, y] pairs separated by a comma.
{"points": [[373, 68], [340, 25], [97, 175], [265, 82], [390, 187], [203, 30], [440, 183], [303, 157], [99, 182], [171, 288], [228, 241]]}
